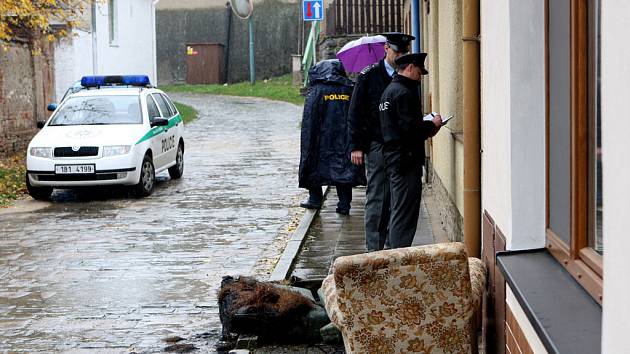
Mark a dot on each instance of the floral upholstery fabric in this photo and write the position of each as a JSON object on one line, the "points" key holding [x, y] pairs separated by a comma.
{"points": [[477, 280], [406, 300]]}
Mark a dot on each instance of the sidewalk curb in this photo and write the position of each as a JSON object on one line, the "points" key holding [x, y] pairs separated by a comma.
{"points": [[283, 268], [24, 206]]}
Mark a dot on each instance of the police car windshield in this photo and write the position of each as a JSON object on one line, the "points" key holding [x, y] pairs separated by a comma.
{"points": [[99, 110]]}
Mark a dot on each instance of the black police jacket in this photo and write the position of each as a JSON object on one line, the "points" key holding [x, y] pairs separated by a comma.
{"points": [[364, 124], [404, 131], [324, 150]]}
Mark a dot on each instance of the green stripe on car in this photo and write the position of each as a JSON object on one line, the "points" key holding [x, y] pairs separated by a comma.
{"points": [[158, 130]]}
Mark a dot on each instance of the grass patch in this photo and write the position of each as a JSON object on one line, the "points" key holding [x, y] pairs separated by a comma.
{"points": [[12, 179], [188, 113], [278, 88]]}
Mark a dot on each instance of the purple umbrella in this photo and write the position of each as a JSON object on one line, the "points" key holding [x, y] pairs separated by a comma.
{"points": [[358, 54]]}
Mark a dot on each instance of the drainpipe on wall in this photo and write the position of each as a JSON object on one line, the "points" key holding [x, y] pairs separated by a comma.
{"points": [[415, 25], [472, 136]]}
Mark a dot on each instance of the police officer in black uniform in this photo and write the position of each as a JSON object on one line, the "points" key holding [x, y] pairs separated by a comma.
{"points": [[404, 132], [366, 139]]}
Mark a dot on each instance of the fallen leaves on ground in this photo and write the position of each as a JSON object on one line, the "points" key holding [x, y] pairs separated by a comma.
{"points": [[12, 179]]}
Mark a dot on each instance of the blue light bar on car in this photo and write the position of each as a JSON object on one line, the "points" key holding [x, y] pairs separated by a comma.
{"points": [[113, 80], [136, 80]]}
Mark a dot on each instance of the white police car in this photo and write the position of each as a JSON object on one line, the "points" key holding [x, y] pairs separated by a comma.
{"points": [[114, 130]]}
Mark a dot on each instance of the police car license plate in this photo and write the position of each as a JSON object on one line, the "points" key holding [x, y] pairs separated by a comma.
{"points": [[73, 169]]}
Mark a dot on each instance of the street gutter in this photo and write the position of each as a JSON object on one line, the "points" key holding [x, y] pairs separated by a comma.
{"points": [[24, 206], [284, 267]]}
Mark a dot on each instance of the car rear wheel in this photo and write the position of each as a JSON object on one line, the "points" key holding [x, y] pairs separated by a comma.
{"points": [[176, 171], [147, 178], [38, 193]]}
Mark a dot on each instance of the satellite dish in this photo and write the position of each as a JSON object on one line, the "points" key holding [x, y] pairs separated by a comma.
{"points": [[242, 8]]}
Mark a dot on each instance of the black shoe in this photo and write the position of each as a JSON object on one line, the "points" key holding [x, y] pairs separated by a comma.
{"points": [[310, 205], [343, 211]]}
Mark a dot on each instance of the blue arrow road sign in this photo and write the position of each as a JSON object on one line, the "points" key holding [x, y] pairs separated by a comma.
{"points": [[313, 10]]}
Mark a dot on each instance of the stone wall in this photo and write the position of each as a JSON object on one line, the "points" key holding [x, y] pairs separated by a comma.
{"points": [[276, 27], [26, 88]]}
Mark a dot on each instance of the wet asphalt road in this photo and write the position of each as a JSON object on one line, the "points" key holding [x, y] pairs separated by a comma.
{"points": [[109, 273]]}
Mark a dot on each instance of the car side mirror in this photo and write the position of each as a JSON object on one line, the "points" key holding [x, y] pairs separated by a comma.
{"points": [[159, 121], [52, 106], [40, 124]]}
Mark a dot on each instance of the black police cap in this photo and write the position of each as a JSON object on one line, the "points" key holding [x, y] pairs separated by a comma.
{"points": [[398, 40], [416, 59]]}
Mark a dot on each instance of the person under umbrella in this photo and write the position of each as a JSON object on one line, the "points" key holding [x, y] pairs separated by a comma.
{"points": [[324, 152]]}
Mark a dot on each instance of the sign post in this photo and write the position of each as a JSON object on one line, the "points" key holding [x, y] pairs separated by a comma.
{"points": [[252, 65], [313, 10]]}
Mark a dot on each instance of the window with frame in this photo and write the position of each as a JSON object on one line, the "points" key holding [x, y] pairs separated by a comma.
{"points": [[113, 22], [574, 188]]}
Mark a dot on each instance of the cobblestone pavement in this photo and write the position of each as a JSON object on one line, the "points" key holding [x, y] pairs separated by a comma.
{"points": [[109, 273]]}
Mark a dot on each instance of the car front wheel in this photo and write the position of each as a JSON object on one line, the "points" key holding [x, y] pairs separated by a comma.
{"points": [[38, 193], [147, 178], [176, 171]]}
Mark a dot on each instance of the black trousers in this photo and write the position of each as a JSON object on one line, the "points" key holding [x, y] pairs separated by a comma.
{"points": [[377, 199], [406, 192], [344, 193]]}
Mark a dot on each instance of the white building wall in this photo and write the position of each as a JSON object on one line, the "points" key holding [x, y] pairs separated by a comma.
{"points": [[513, 119], [132, 53], [73, 59], [527, 124], [615, 76], [495, 112]]}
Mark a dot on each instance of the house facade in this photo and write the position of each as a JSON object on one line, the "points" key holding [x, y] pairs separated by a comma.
{"points": [[440, 29], [114, 37], [553, 191]]}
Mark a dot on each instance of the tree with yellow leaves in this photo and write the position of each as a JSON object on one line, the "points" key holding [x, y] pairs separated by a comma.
{"points": [[19, 17]]}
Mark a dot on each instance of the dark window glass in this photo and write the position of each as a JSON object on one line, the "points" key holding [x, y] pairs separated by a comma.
{"points": [[595, 143], [170, 104], [164, 108], [559, 118], [152, 108]]}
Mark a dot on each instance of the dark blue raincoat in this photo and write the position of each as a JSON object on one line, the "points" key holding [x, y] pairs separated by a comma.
{"points": [[325, 151]]}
